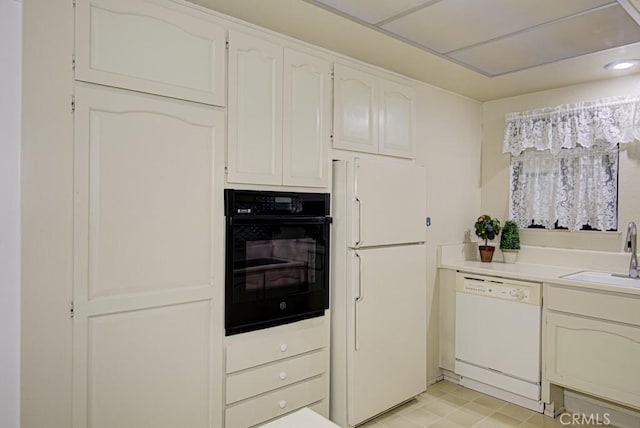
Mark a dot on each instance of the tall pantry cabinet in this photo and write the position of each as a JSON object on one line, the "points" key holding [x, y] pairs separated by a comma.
{"points": [[144, 269], [146, 152]]}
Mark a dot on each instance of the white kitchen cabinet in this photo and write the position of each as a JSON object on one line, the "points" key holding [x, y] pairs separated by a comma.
{"points": [[145, 216], [592, 343], [372, 114], [279, 114], [275, 371], [355, 110], [158, 47], [396, 119], [254, 151], [307, 119], [447, 318]]}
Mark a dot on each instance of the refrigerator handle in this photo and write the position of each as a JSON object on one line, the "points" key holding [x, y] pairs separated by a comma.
{"points": [[359, 241], [358, 300], [356, 166]]}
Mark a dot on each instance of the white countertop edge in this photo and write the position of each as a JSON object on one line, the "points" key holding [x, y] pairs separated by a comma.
{"points": [[534, 272]]}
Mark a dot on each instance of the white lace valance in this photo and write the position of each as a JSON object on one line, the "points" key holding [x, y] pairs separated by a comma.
{"points": [[599, 124]]}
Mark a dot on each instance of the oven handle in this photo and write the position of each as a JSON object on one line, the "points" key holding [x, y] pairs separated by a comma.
{"points": [[264, 219]]}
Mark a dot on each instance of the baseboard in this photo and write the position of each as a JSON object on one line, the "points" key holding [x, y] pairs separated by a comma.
{"points": [[434, 380], [450, 376], [604, 411]]}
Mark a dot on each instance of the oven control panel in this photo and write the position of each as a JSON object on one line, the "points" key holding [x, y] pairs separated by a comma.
{"points": [[254, 203], [261, 205]]}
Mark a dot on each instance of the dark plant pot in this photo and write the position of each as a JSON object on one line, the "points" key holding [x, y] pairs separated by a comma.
{"points": [[486, 252]]}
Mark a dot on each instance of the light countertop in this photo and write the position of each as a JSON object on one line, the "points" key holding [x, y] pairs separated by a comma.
{"points": [[534, 272]]}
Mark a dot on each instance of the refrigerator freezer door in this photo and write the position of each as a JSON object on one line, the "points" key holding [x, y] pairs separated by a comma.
{"points": [[389, 203], [387, 360]]}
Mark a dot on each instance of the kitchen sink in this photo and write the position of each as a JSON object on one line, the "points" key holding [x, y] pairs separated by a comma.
{"points": [[605, 278]]}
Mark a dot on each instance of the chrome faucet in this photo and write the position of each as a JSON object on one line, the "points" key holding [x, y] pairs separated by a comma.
{"points": [[630, 247]]}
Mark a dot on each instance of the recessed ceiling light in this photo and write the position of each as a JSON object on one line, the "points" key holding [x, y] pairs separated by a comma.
{"points": [[622, 64]]}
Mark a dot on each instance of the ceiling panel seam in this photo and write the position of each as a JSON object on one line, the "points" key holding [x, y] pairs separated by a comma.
{"points": [[534, 27], [630, 9], [406, 12]]}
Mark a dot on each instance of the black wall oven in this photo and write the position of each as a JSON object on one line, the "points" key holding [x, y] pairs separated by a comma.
{"points": [[277, 258]]}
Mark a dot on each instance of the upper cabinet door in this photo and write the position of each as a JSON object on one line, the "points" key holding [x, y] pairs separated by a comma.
{"points": [[355, 110], [307, 119], [396, 119], [255, 110], [160, 48]]}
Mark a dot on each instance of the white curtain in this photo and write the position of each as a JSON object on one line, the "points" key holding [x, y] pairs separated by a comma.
{"points": [[599, 124], [574, 188], [564, 162]]}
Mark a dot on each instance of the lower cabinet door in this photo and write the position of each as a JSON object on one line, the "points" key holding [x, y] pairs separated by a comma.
{"points": [[277, 403], [593, 356], [144, 234]]}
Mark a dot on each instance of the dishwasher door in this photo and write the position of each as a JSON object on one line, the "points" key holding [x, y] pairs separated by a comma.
{"points": [[498, 328]]}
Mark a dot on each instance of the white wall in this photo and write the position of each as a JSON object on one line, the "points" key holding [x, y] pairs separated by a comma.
{"points": [[46, 192], [448, 144], [10, 93], [495, 164]]}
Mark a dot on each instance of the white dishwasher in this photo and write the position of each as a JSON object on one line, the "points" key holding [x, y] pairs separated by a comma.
{"points": [[497, 339]]}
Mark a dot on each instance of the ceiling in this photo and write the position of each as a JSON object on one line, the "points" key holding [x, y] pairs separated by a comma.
{"points": [[495, 37], [483, 49]]}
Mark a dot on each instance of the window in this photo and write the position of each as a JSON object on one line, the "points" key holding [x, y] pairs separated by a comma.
{"points": [[564, 163], [577, 189]]}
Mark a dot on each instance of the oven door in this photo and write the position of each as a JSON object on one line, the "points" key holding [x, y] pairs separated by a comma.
{"points": [[277, 271]]}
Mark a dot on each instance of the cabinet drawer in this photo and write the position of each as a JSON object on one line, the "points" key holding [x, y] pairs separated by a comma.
{"points": [[276, 403], [266, 378], [256, 348], [613, 307]]}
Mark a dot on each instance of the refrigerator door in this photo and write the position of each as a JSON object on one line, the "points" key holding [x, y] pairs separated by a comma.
{"points": [[388, 203], [387, 356]]}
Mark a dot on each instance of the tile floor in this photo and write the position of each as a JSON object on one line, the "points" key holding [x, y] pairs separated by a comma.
{"points": [[447, 405]]}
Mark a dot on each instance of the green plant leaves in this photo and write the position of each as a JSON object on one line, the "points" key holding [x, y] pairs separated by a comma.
{"points": [[487, 228]]}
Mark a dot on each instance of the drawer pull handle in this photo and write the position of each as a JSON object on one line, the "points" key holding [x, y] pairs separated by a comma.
{"points": [[282, 404], [283, 347], [283, 375]]}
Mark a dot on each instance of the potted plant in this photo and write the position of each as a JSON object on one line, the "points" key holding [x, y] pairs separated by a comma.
{"points": [[510, 241], [487, 228]]}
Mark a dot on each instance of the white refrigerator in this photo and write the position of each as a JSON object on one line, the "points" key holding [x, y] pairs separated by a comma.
{"points": [[378, 291]]}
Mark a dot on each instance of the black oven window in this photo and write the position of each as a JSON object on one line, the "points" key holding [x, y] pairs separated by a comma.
{"points": [[272, 261]]}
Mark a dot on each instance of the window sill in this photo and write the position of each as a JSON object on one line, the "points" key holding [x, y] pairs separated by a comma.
{"points": [[582, 240]]}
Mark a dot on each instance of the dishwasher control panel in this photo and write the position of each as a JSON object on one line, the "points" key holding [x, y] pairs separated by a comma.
{"points": [[499, 288], [494, 289]]}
